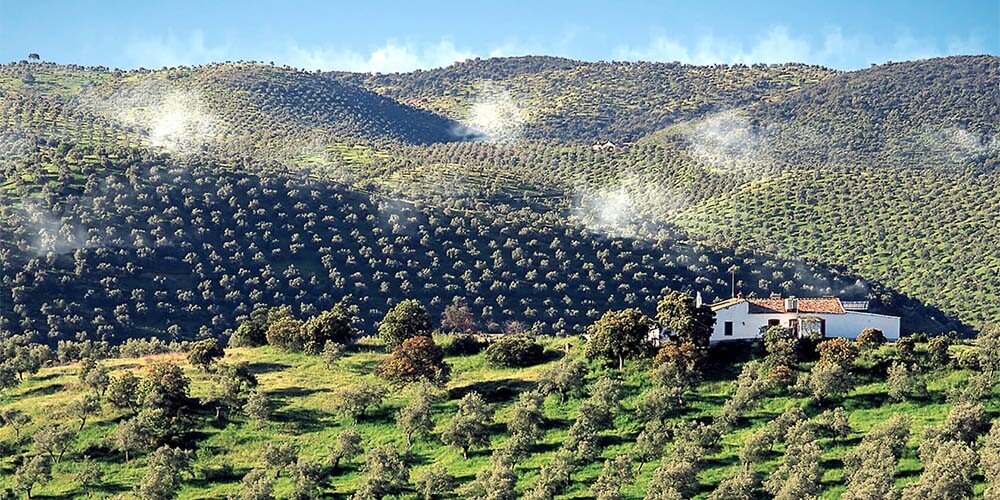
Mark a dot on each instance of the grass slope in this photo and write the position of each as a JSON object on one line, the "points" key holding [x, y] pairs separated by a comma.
{"points": [[303, 391]]}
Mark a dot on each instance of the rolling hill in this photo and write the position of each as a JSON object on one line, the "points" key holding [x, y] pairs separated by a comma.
{"points": [[148, 218], [120, 185]]}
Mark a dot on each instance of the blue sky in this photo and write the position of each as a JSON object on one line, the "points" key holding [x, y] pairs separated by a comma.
{"points": [[384, 36]]}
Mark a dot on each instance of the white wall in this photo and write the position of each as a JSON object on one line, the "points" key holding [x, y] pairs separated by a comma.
{"points": [[849, 325], [748, 326]]}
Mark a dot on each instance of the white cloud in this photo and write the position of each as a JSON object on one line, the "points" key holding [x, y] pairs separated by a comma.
{"points": [[834, 48]]}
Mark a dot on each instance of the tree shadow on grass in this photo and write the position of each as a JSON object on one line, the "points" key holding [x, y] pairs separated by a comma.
{"points": [[613, 440], [218, 474], [545, 447], [259, 367], [385, 414], [869, 401], [302, 419], [363, 367], [376, 348], [109, 489], [44, 390], [493, 391], [556, 423], [710, 399], [295, 392], [103, 453], [831, 463], [42, 378], [718, 462]]}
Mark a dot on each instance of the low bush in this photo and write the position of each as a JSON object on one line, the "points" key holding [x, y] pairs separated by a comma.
{"points": [[514, 350], [463, 344]]}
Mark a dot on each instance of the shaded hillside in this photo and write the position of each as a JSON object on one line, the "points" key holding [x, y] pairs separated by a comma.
{"points": [[586, 102], [121, 242], [890, 171]]}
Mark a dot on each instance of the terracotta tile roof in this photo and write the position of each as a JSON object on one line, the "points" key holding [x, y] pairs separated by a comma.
{"points": [[814, 305]]}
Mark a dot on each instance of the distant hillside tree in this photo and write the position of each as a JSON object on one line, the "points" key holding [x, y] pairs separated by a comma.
{"points": [[258, 408], [615, 474], [123, 392], [354, 402], [416, 418], [32, 472], [348, 446], [232, 385], [385, 473], [565, 378], [163, 469], [458, 317], [469, 426]]}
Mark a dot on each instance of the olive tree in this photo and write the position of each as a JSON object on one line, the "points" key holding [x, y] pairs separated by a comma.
{"points": [[407, 319], [469, 426], [619, 335]]}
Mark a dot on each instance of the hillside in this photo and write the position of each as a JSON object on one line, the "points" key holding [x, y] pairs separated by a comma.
{"points": [[304, 395], [133, 240], [117, 174], [280, 256], [546, 98], [242, 109]]}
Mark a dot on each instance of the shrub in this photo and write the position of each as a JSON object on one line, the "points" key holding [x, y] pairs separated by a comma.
{"points": [[870, 338], [839, 351], [284, 334], [418, 358], [205, 352], [513, 351], [937, 351], [138, 348], [906, 349], [335, 325], [781, 345], [464, 344], [252, 332]]}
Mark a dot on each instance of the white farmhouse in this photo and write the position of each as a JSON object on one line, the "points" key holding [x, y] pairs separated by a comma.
{"points": [[745, 319]]}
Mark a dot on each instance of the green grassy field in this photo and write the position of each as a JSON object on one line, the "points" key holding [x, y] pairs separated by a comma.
{"points": [[302, 391]]}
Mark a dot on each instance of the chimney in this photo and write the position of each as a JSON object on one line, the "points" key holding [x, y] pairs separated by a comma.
{"points": [[791, 304]]}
